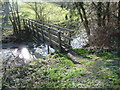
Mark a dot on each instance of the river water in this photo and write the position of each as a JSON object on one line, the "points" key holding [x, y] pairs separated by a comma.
{"points": [[79, 40], [28, 52], [24, 53]]}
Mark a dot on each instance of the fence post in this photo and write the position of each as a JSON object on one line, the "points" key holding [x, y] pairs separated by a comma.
{"points": [[59, 41], [70, 39]]}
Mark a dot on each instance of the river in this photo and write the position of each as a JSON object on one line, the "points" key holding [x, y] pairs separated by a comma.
{"points": [[25, 53]]}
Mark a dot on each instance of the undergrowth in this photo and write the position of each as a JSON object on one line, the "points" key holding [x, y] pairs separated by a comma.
{"points": [[96, 70]]}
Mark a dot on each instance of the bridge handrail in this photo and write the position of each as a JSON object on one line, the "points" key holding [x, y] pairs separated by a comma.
{"points": [[63, 29], [55, 36]]}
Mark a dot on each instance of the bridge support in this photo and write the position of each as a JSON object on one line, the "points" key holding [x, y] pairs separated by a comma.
{"points": [[59, 41], [48, 49]]}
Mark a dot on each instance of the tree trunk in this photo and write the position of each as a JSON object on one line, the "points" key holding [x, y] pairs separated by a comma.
{"points": [[82, 13], [99, 12], [36, 17], [6, 12], [106, 15], [108, 12], [118, 12]]}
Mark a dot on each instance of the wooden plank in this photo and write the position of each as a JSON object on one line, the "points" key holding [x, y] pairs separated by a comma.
{"points": [[47, 33], [69, 38], [54, 32], [66, 45], [54, 42], [50, 35], [60, 28]]}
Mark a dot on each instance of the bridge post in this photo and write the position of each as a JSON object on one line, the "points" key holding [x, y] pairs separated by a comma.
{"points": [[32, 30], [42, 33], [23, 23], [59, 41], [48, 49], [49, 36], [70, 37], [29, 25], [38, 36]]}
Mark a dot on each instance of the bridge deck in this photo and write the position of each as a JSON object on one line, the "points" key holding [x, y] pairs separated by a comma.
{"points": [[54, 36]]}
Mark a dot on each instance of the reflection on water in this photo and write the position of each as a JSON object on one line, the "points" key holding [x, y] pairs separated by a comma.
{"points": [[31, 51], [25, 54], [42, 51]]}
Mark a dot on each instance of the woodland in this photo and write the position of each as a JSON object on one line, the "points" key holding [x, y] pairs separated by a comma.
{"points": [[93, 64]]}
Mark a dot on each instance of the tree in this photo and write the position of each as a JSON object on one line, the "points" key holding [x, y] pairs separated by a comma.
{"points": [[118, 12], [82, 13], [38, 8], [6, 11], [79, 6]]}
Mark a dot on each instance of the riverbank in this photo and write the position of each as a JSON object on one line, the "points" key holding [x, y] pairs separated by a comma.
{"points": [[95, 70]]}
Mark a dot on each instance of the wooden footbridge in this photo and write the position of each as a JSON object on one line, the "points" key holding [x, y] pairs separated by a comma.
{"points": [[57, 37], [54, 36]]}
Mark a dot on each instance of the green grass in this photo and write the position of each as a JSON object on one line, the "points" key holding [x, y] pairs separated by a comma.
{"points": [[51, 13], [105, 65], [58, 71], [7, 32], [81, 51]]}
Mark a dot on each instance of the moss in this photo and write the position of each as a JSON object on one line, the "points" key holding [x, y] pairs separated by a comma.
{"points": [[82, 51]]}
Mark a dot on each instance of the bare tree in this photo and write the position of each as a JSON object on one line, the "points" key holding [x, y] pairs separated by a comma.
{"points": [[6, 11], [38, 8]]}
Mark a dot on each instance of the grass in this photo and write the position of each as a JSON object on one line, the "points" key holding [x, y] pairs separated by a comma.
{"points": [[52, 13], [7, 32], [106, 67], [96, 69], [58, 71]]}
